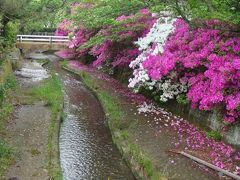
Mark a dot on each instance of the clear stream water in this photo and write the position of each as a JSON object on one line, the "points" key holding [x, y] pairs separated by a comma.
{"points": [[86, 147]]}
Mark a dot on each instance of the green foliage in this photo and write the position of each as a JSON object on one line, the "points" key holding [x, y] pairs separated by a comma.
{"points": [[2, 94], [144, 161], [182, 99], [113, 34], [51, 93], [5, 150], [238, 108], [124, 134], [1, 47], [6, 156], [111, 105], [64, 63], [95, 40], [215, 135], [4, 87], [7, 81], [5, 112], [225, 10], [104, 12], [34, 15]]}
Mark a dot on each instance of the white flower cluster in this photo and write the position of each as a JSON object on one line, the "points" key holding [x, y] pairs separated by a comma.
{"points": [[170, 90], [157, 36]]}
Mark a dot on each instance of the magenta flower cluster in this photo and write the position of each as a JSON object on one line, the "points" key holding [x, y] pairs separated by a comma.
{"points": [[120, 51], [63, 28], [117, 49], [208, 59]]}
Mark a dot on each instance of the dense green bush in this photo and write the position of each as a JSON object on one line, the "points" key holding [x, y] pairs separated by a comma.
{"points": [[11, 31], [7, 80]]}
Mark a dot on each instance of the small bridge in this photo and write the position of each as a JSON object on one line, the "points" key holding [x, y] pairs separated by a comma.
{"points": [[41, 42]]}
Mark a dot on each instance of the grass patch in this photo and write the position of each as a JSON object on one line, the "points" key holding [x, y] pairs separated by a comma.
{"points": [[5, 112], [35, 152], [112, 109], [64, 63], [6, 157], [215, 135], [7, 84], [142, 159], [7, 81], [51, 93]]}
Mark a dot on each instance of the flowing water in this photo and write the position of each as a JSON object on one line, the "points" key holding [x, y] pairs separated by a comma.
{"points": [[32, 72], [86, 147]]}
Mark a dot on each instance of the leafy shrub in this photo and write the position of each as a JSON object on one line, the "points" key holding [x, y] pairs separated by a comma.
{"points": [[11, 31], [111, 45], [7, 80], [182, 99], [215, 135], [9, 83]]}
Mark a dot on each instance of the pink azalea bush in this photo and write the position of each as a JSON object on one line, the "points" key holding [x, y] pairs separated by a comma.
{"points": [[116, 46], [120, 50], [64, 28], [206, 59]]}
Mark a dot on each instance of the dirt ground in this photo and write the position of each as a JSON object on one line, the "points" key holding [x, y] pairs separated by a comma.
{"points": [[28, 134]]}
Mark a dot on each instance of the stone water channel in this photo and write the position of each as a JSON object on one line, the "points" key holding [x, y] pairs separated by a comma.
{"points": [[86, 148]]}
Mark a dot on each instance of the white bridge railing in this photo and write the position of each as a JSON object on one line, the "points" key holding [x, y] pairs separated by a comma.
{"points": [[42, 39]]}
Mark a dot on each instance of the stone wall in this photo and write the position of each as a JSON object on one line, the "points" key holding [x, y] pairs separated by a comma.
{"points": [[15, 57]]}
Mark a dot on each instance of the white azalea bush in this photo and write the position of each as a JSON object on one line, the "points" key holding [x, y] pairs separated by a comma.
{"points": [[153, 44]]}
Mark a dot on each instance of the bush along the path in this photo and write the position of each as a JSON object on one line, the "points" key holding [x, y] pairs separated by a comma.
{"points": [[7, 84], [111, 45], [202, 64]]}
